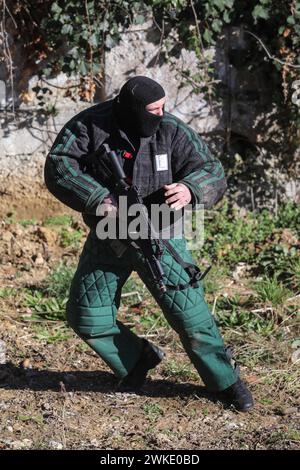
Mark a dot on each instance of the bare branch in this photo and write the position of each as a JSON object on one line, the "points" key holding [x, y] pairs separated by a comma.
{"points": [[59, 87], [271, 57], [160, 42], [8, 11]]}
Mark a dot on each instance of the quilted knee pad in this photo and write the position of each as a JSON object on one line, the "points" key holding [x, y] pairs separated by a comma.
{"points": [[95, 291], [91, 322], [186, 310]]}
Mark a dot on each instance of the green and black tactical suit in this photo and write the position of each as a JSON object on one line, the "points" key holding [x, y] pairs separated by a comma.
{"points": [[96, 288]]}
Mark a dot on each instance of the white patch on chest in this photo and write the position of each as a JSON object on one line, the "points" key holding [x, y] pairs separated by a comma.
{"points": [[161, 162]]}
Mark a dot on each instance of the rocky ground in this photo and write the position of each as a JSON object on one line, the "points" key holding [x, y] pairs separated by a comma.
{"points": [[55, 393]]}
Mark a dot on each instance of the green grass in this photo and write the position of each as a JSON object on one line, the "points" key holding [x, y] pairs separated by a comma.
{"points": [[48, 300], [272, 291], [153, 319], [52, 335], [64, 220], [179, 370], [6, 292], [212, 282], [246, 321], [279, 437], [255, 238], [59, 280], [292, 274], [153, 410], [27, 222], [69, 237], [38, 419]]}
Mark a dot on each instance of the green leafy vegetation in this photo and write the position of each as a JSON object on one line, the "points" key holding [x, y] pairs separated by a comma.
{"points": [[232, 317], [70, 237], [27, 222], [271, 291], [153, 411], [268, 243], [50, 298], [72, 36], [266, 246], [62, 219], [7, 292], [59, 280], [179, 370], [52, 335], [51, 308]]}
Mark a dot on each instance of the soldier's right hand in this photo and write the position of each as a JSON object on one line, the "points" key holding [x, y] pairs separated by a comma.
{"points": [[109, 206]]}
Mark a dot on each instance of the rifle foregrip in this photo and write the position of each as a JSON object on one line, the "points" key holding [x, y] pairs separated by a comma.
{"points": [[118, 170], [115, 162]]}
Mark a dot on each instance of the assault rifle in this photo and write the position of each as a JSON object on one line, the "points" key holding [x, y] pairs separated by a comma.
{"points": [[151, 246]]}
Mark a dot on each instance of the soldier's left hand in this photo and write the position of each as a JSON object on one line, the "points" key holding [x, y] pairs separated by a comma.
{"points": [[177, 195]]}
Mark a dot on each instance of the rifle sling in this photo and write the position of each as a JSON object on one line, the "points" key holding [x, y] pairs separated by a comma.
{"points": [[192, 270]]}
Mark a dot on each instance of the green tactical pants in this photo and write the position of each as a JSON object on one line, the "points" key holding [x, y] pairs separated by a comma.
{"points": [[94, 301]]}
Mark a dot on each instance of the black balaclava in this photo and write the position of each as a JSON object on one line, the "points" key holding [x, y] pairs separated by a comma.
{"points": [[130, 106]]}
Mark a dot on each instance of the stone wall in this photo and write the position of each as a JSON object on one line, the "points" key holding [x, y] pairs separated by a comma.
{"points": [[25, 140]]}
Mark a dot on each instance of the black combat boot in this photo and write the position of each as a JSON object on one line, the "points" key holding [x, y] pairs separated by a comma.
{"points": [[238, 395], [150, 357]]}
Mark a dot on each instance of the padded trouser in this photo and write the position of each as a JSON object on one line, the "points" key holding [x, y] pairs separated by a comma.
{"points": [[94, 301]]}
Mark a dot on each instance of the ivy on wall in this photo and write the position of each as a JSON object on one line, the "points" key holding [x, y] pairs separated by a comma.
{"points": [[73, 35]]}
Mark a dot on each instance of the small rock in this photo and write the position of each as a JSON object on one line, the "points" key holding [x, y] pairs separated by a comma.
{"points": [[7, 236], [18, 231], [291, 410], [207, 420], [39, 260], [163, 439], [95, 443], [2, 352], [240, 271], [56, 445], [287, 410], [296, 356], [6, 442], [227, 415], [21, 444], [10, 429], [26, 364], [46, 406], [231, 426], [4, 406]]}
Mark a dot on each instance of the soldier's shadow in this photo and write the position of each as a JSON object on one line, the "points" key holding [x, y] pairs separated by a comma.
{"points": [[16, 378]]}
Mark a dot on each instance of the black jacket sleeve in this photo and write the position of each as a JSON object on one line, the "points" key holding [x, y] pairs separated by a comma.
{"points": [[195, 166], [64, 171]]}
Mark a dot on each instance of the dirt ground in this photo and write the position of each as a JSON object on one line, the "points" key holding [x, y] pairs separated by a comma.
{"points": [[27, 200], [55, 393]]}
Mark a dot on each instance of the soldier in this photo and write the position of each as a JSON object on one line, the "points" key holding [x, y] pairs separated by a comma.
{"points": [[164, 153]]}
